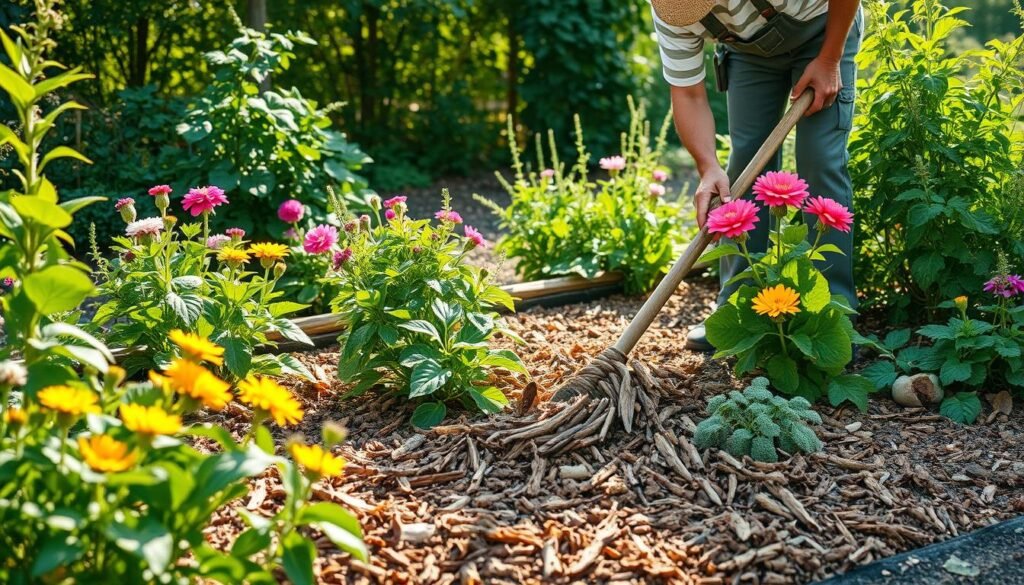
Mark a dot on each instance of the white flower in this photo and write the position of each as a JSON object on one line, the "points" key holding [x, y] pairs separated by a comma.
{"points": [[12, 374], [150, 226]]}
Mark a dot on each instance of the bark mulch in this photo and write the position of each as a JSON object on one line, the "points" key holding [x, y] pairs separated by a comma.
{"points": [[473, 502]]}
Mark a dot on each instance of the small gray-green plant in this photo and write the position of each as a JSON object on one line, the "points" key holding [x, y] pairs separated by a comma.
{"points": [[750, 423]]}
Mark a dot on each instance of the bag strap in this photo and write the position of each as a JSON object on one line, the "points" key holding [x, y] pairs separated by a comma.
{"points": [[765, 8], [723, 34]]}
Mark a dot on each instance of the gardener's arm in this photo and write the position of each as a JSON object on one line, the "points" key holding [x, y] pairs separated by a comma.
{"points": [[696, 127], [822, 73]]}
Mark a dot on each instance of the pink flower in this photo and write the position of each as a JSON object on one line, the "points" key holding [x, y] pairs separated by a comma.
{"points": [[235, 233], [151, 226], [1016, 282], [830, 213], [320, 239], [215, 241], [660, 176], [202, 200], [391, 203], [449, 216], [340, 258], [780, 188], [390, 214], [123, 202], [547, 173], [1005, 285], [351, 226], [8, 282], [291, 211], [613, 163], [656, 190], [474, 238], [733, 219], [291, 234], [164, 190]]}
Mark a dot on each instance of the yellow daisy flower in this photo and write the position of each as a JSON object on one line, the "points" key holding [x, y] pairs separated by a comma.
{"points": [[316, 461], [777, 300], [68, 400], [149, 420], [105, 454], [195, 381], [269, 251], [198, 347], [233, 257], [269, 396], [15, 416]]}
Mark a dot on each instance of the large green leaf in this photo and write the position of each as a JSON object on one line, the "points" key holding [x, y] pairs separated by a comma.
{"points": [[490, 400], [962, 407], [852, 388], [237, 356], [57, 288], [297, 558], [150, 541], [338, 524], [782, 371], [427, 377], [41, 212], [429, 415]]}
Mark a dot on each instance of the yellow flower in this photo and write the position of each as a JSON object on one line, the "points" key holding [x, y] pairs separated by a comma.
{"points": [[777, 300], [269, 396], [268, 251], [149, 420], [195, 381], [106, 454], [15, 416], [317, 461], [961, 302], [198, 347], [233, 257], [68, 400]]}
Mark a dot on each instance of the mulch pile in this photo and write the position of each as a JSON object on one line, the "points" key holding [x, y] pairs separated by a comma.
{"points": [[480, 501]]}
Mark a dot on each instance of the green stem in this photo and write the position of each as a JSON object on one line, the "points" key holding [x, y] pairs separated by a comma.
{"points": [[750, 263], [782, 337]]}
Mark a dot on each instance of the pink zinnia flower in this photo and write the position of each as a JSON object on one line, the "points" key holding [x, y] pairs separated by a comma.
{"points": [[341, 257], [291, 211], [215, 241], [151, 226], [160, 190], [391, 203], [390, 214], [320, 239], [547, 173], [656, 190], [202, 200], [235, 233], [123, 202], [830, 213], [660, 176], [1005, 285], [779, 188], [447, 215], [474, 237], [733, 219], [613, 163]]}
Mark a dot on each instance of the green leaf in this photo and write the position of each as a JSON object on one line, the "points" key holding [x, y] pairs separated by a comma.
{"points": [[782, 371], [291, 331], [251, 542], [963, 407], [264, 440], [427, 377], [954, 370], [63, 152], [21, 91], [490, 400], [150, 540], [337, 524], [881, 373], [58, 550], [237, 356], [424, 327], [429, 415], [42, 212], [298, 558], [794, 234], [723, 250], [504, 358], [285, 308], [897, 339], [57, 288], [927, 268], [852, 388]]}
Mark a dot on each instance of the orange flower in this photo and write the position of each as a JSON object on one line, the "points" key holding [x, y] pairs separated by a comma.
{"points": [[198, 347], [777, 300], [70, 401], [195, 381], [270, 397], [316, 461], [149, 420], [105, 454]]}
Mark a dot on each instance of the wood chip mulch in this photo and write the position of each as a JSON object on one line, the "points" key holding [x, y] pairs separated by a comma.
{"points": [[464, 504]]}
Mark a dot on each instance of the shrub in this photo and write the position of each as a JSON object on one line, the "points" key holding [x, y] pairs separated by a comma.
{"points": [[966, 352], [170, 276], [752, 422], [418, 319], [96, 481], [782, 318], [265, 146], [935, 158], [560, 222]]}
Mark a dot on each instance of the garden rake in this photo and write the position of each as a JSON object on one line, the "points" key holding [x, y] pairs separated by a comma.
{"points": [[607, 383]]}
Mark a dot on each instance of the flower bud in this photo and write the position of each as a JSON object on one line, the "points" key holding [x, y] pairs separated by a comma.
{"points": [[351, 226], [126, 207], [375, 202], [162, 202], [364, 222], [236, 234], [169, 222], [113, 378], [961, 303], [279, 269], [15, 417], [342, 257], [333, 434]]}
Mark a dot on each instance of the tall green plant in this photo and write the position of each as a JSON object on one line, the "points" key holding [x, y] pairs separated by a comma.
{"points": [[934, 157]]}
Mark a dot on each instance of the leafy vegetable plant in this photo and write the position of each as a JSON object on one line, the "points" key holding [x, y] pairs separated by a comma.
{"points": [[754, 421], [560, 222], [179, 276], [783, 319], [418, 319]]}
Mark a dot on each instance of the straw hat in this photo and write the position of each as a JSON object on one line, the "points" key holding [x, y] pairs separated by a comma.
{"points": [[682, 12]]}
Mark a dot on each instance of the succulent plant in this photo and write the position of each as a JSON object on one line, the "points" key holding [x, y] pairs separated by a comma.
{"points": [[752, 421]]}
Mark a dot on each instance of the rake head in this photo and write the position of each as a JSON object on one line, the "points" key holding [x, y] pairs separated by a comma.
{"points": [[608, 366]]}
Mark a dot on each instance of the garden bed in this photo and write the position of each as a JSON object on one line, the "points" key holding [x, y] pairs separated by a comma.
{"points": [[458, 504]]}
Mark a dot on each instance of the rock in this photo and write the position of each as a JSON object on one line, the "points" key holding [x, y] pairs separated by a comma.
{"points": [[917, 390]]}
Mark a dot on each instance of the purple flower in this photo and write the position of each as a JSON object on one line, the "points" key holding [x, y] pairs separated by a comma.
{"points": [[1005, 285], [341, 257]]}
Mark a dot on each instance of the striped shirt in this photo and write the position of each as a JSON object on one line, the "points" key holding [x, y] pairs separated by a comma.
{"points": [[682, 48]]}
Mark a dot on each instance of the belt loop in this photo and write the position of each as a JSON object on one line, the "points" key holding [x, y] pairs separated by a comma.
{"points": [[765, 8]]}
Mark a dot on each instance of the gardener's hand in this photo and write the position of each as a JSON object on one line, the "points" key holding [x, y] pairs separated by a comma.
{"points": [[823, 76], [713, 182]]}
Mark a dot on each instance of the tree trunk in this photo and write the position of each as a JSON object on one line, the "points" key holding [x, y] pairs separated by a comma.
{"points": [[512, 92], [256, 14], [138, 54]]}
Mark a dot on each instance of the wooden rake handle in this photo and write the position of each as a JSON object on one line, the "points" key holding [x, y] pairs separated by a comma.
{"points": [[650, 309]]}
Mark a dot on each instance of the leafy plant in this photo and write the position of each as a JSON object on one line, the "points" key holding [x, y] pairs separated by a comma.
{"points": [[934, 157], [560, 222], [755, 421], [418, 319], [966, 352], [168, 276], [783, 319], [270, 145]]}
